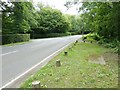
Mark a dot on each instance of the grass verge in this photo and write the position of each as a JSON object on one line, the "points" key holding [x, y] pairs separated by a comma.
{"points": [[76, 71], [18, 43]]}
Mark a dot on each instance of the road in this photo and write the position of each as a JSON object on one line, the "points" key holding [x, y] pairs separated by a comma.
{"points": [[19, 58]]}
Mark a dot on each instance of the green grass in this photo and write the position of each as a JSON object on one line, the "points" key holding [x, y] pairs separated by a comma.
{"points": [[18, 43], [76, 71]]}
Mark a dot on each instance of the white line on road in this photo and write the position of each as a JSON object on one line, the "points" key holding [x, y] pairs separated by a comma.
{"points": [[34, 66], [8, 53]]}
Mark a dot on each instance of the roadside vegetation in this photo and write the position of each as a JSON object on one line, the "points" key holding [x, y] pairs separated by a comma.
{"points": [[83, 67], [17, 43]]}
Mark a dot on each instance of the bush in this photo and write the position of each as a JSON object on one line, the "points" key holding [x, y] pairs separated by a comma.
{"points": [[13, 38], [73, 33], [57, 34], [91, 37], [50, 35], [115, 44]]}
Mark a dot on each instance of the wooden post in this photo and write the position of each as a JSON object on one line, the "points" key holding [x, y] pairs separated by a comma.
{"points": [[76, 41], [70, 48], [65, 53], [84, 41], [36, 85], [58, 64]]}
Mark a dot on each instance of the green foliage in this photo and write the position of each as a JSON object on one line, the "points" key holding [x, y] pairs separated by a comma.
{"points": [[13, 38], [51, 21], [103, 18], [17, 18], [92, 37], [50, 35], [115, 45], [76, 24], [23, 17], [6, 17]]}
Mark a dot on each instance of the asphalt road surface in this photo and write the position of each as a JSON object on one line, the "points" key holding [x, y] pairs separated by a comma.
{"points": [[19, 58]]}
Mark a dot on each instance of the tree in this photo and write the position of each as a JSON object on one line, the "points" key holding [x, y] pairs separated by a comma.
{"points": [[51, 21], [17, 17], [6, 12], [103, 18], [76, 24], [23, 17]]}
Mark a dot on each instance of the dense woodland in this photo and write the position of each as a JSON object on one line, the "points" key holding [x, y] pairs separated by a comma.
{"points": [[22, 17], [101, 19]]}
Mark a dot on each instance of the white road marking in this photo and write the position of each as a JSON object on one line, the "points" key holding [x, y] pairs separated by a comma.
{"points": [[35, 66], [9, 53]]}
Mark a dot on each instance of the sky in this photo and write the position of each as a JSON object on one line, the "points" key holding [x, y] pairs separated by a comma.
{"points": [[59, 4]]}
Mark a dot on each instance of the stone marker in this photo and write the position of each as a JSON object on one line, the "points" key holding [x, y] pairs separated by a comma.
{"points": [[58, 64], [36, 85], [98, 60], [83, 40]]}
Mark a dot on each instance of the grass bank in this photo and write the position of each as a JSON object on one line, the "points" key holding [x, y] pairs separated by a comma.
{"points": [[79, 69], [17, 43]]}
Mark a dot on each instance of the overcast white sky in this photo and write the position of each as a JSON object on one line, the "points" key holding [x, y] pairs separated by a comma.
{"points": [[59, 4]]}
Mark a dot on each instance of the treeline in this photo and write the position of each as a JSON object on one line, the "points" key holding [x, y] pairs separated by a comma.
{"points": [[103, 18], [22, 18]]}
